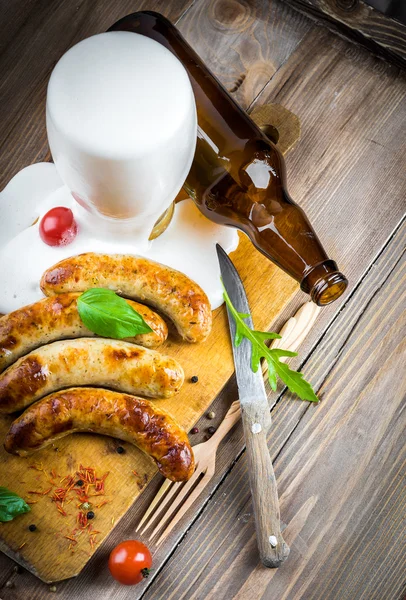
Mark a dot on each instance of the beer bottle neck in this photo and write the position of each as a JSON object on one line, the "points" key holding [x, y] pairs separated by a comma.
{"points": [[324, 283]]}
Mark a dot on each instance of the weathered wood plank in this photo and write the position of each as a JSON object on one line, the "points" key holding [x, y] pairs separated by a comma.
{"points": [[43, 31], [339, 472], [244, 43], [358, 21]]}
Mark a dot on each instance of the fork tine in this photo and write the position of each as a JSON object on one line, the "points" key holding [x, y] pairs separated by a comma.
{"points": [[166, 484], [177, 501], [184, 508], [173, 488]]}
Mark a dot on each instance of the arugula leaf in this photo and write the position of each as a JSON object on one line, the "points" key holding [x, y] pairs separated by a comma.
{"points": [[292, 379], [11, 505], [109, 315]]}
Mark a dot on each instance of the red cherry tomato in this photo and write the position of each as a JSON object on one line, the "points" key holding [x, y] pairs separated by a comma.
{"points": [[58, 227], [130, 562]]}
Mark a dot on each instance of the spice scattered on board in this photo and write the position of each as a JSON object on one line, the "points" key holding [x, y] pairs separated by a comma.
{"points": [[74, 491]]}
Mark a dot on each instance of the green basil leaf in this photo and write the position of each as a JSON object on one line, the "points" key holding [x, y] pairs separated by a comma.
{"points": [[109, 315], [11, 505]]}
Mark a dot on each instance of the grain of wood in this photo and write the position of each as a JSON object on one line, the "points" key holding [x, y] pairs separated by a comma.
{"points": [[13, 17], [339, 472], [244, 42], [358, 21]]}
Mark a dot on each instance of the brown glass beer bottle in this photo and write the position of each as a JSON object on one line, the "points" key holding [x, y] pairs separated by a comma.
{"points": [[238, 175]]}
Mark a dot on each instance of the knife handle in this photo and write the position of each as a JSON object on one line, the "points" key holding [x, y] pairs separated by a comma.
{"points": [[273, 549]]}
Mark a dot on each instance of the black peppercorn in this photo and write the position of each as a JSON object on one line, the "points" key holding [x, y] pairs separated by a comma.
{"points": [[211, 430], [194, 430], [194, 379], [120, 450], [90, 514], [79, 483], [32, 527]]}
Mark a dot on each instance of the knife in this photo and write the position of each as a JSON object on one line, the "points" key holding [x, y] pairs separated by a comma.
{"points": [[256, 419]]}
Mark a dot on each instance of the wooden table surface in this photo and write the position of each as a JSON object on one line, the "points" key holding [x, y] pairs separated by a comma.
{"points": [[340, 464]]}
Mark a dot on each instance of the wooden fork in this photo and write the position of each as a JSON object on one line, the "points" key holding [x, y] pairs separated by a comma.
{"points": [[184, 494]]}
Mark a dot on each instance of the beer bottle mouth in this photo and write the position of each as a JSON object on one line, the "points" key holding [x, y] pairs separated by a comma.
{"points": [[324, 283]]}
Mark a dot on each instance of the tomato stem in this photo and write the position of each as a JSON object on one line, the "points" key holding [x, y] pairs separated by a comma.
{"points": [[145, 572]]}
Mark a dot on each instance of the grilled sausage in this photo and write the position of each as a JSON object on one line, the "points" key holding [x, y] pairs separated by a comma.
{"points": [[88, 361], [172, 292], [96, 410], [57, 318]]}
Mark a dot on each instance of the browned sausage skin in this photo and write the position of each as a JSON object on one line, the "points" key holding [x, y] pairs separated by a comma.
{"points": [[57, 318], [96, 410], [114, 364], [135, 277]]}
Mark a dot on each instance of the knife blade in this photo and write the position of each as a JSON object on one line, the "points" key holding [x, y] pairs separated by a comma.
{"points": [[250, 385], [256, 420]]}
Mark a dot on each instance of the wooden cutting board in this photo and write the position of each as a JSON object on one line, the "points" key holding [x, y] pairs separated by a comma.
{"points": [[47, 552]]}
